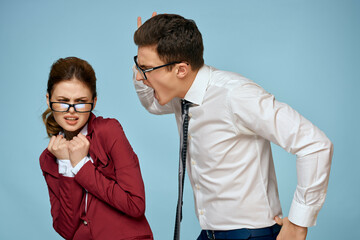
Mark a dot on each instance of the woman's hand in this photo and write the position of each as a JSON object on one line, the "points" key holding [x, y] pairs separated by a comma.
{"points": [[290, 231], [58, 146], [78, 149]]}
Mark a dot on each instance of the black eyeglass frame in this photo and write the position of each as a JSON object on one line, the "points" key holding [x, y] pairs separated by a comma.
{"points": [[143, 71], [71, 105]]}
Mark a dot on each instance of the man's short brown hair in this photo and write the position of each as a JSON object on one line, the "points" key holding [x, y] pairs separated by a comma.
{"points": [[175, 37]]}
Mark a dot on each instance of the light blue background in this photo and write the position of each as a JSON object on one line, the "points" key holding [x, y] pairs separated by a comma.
{"points": [[307, 53]]}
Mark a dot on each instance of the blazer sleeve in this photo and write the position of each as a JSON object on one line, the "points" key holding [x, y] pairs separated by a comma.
{"points": [[65, 198], [126, 192]]}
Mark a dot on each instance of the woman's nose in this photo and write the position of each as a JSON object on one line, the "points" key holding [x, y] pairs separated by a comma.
{"points": [[71, 109]]}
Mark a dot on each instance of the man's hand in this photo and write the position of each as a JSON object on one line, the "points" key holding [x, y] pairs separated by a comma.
{"points": [[290, 231], [78, 149], [58, 146], [139, 19]]}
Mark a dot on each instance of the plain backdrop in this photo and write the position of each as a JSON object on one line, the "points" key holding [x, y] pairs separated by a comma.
{"points": [[306, 53]]}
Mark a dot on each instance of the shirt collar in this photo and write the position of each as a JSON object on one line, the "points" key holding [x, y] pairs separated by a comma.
{"points": [[84, 131], [198, 88]]}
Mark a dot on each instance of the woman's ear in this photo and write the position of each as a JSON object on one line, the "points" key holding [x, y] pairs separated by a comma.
{"points": [[47, 100], [182, 70], [95, 100]]}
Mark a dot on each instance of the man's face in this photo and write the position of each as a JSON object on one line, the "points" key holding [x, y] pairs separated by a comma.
{"points": [[165, 83]]}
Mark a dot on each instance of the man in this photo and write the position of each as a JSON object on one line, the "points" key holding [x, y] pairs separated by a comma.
{"points": [[231, 122]]}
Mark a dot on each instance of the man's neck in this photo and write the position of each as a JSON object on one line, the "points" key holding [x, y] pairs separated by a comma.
{"points": [[188, 81]]}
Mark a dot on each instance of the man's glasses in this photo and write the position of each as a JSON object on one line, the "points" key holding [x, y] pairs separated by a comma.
{"points": [[143, 71], [65, 107]]}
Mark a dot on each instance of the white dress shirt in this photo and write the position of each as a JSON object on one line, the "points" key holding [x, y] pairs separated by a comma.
{"points": [[229, 161]]}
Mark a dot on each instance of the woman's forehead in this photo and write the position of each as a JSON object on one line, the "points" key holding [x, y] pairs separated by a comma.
{"points": [[71, 88]]}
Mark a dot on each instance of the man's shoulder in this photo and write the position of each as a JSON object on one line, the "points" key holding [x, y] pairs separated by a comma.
{"points": [[227, 79]]}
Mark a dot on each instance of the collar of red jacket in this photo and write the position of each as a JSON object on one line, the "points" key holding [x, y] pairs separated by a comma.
{"points": [[91, 124]]}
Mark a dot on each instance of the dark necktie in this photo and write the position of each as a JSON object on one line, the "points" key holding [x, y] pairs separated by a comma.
{"points": [[182, 166]]}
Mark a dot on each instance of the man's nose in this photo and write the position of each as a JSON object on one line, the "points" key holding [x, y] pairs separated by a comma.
{"points": [[139, 77]]}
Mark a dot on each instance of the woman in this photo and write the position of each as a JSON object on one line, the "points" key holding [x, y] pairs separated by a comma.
{"points": [[93, 176]]}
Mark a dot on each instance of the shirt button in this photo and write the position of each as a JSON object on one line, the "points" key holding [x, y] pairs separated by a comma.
{"points": [[201, 212], [189, 137], [193, 162], [85, 223], [197, 186], [190, 115]]}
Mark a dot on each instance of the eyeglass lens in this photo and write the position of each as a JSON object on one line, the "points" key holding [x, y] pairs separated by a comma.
{"points": [[79, 107]]}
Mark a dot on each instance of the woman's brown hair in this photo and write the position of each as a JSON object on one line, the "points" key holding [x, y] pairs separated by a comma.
{"points": [[66, 69]]}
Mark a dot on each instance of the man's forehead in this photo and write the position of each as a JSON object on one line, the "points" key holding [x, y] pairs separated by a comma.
{"points": [[148, 56]]}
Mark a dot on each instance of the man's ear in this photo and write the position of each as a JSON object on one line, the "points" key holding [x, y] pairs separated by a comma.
{"points": [[182, 70], [47, 100]]}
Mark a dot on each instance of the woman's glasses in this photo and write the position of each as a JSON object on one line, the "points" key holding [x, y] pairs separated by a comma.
{"points": [[65, 107]]}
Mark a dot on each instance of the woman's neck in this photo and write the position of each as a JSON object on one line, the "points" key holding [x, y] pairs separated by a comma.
{"points": [[69, 135]]}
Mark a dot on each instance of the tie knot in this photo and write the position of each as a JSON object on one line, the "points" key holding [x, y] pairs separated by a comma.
{"points": [[185, 105]]}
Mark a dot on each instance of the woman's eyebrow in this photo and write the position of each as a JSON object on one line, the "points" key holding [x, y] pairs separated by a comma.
{"points": [[85, 99], [67, 99], [63, 98]]}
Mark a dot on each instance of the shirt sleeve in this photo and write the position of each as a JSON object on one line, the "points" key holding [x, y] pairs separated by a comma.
{"points": [[80, 164], [65, 167], [277, 122], [147, 99]]}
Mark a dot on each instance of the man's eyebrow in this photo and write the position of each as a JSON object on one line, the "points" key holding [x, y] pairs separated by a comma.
{"points": [[145, 67]]}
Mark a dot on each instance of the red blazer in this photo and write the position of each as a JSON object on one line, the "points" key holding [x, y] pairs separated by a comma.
{"points": [[116, 195]]}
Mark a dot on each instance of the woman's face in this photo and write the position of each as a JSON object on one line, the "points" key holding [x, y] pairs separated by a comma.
{"points": [[72, 92]]}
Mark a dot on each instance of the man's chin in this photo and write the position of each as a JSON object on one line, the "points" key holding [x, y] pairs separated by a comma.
{"points": [[161, 101]]}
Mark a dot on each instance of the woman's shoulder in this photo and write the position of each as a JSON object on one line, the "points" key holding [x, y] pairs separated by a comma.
{"points": [[107, 128], [105, 123]]}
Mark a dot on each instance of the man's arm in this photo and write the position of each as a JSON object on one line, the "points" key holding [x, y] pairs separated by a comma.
{"points": [[259, 111], [289, 230], [146, 94], [147, 99]]}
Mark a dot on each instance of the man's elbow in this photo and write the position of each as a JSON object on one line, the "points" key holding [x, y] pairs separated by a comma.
{"points": [[329, 146]]}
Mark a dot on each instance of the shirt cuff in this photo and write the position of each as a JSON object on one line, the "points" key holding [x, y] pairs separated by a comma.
{"points": [[78, 166], [65, 168], [302, 215]]}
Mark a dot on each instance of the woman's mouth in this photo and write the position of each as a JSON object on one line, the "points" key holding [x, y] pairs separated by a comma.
{"points": [[71, 120]]}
